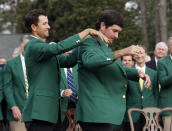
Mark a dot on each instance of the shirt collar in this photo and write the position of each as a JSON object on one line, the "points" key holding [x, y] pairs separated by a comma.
{"points": [[35, 37], [21, 56], [170, 56], [156, 61], [141, 68]]}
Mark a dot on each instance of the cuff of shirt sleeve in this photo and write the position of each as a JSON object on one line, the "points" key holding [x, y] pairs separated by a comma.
{"points": [[61, 94]]}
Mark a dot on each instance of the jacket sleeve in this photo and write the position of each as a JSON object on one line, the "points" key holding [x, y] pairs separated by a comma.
{"points": [[8, 86], [164, 78], [70, 60], [42, 51], [132, 74]]}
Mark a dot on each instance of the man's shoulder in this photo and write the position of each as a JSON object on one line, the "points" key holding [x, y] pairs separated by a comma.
{"points": [[90, 41], [12, 60], [164, 59]]}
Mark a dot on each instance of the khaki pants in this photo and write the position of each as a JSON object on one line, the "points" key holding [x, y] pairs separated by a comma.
{"points": [[167, 121], [17, 126]]}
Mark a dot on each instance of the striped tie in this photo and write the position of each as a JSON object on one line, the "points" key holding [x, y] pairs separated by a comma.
{"points": [[71, 85]]}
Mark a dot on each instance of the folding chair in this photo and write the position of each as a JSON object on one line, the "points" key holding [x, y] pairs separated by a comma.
{"points": [[151, 115]]}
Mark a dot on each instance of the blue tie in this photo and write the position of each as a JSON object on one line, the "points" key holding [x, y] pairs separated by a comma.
{"points": [[71, 85]]}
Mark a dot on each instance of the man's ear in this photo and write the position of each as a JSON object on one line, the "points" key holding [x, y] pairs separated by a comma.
{"points": [[33, 27], [102, 26]]}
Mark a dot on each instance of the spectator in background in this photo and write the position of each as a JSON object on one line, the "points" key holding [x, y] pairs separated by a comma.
{"points": [[164, 70], [2, 61], [2, 102], [138, 96], [15, 87], [161, 50], [127, 60], [16, 52]]}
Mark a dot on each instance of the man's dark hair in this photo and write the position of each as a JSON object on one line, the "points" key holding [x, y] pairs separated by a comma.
{"points": [[127, 55], [32, 17], [110, 17]]}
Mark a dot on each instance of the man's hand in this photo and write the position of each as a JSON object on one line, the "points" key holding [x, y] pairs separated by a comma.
{"points": [[93, 33], [145, 77], [131, 50], [16, 113], [67, 93]]}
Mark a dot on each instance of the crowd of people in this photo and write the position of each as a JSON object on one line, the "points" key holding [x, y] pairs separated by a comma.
{"points": [[46, 85]]}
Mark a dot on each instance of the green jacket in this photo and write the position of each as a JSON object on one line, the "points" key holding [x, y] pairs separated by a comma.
{"points": [[165, 79], [64, 85], [42, 70], [148, 97], [102, 84], [1, 92], [14, 85]]}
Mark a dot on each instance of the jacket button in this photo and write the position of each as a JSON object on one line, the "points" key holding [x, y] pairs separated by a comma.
{"points": [[108, 59], [78, 41], [142, 97], [123, 96], [125, 85]]}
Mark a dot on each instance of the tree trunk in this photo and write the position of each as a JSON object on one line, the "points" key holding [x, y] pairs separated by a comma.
{"points": [[163, 20], [157, 22], [144, 24]]}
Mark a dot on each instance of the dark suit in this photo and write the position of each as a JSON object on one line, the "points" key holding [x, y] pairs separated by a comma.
{"points": [[151, 64], [102, 86], [42, 71]]}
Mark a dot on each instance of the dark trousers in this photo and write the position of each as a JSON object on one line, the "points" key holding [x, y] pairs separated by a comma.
{"points": [[86, 126], [38, 125], [1, 125]]}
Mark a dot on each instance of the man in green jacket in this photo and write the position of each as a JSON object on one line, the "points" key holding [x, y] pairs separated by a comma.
{"points": [[103, 79], [15, 88], [138, 96], [42, 70], [165, 79], [1, 97]]}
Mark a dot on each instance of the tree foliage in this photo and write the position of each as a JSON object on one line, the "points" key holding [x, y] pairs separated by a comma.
{"points": [[68, 17]]}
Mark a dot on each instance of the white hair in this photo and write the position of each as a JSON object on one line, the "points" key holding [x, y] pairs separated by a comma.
{"points": [[162, 44], [16, 50], [169, 40]]}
